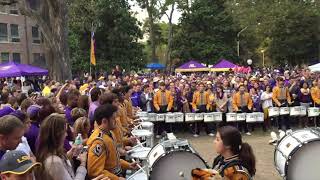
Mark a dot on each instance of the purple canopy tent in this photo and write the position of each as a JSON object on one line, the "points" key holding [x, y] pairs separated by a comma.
{"points": [[223, 65], [12, 69], [192, 66]]}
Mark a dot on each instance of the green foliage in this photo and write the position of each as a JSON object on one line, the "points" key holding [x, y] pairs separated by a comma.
{"points": [[289, 30], [116, 33], [206, 34]]}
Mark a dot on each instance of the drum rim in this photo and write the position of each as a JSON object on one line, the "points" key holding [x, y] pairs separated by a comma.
{"points": [[293, 151], [174, 151]]}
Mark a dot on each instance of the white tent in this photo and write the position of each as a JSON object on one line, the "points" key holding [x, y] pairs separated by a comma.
{"points": [[315, 67]]}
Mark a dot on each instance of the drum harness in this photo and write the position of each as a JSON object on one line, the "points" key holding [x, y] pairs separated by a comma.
{"points": [[241, 168]]}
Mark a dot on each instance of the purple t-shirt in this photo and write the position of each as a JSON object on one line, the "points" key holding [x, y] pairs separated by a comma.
{"points": [[67, 112], [5, 111], [32, 135], [93, 106]]}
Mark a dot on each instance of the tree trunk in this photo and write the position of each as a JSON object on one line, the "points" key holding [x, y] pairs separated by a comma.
{"points": [[152, 38], [52, 18], [170, 38]]}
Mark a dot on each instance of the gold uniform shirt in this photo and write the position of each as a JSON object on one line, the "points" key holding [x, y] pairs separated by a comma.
{"points": [[103, 157]]}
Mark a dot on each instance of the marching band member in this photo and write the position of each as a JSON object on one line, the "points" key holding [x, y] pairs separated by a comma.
{"points": [[281, 98], [103, 157], [119, 131], [236, 160], [315, 94], [163, 102], [201, 104], [242, 102]]}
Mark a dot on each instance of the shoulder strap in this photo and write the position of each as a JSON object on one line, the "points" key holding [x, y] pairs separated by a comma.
{"points": [[217, 160], [239, 164]]}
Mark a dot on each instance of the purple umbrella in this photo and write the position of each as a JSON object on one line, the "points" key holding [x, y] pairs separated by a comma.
{"points": [[13, 69]]}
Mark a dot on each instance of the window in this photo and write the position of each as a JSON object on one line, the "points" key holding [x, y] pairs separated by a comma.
{"points": [[16, 57], [14, 33], [39, 60], [14, 9], [3, 32], [3, 9], [4, 57], [35, 35]]}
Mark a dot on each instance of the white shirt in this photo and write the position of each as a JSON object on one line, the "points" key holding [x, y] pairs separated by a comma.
{"points": [[24, 146], [266, 100]]}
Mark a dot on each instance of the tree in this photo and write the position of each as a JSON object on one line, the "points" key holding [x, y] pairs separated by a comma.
{"points": [[206, 34], [52, 17], [116, 32], [155, 10], [288, 29]]}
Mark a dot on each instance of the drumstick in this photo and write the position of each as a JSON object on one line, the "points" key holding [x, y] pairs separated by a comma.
{"points": [[139, 166]]}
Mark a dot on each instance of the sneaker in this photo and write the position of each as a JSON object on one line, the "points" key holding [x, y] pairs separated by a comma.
{"points": [[158, 136], [196, 135], [248, 133], [211, 134]]}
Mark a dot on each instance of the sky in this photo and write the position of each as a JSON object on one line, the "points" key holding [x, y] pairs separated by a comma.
{"points": [[142, 14]]}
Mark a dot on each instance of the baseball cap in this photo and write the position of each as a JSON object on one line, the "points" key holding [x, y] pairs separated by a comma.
{"points": [[16, 162]]}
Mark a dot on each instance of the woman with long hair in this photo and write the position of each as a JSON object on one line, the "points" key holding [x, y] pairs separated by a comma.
{"points": [[236, 159], [221, 101], [50, 152], [266, 98], [82, 126]]}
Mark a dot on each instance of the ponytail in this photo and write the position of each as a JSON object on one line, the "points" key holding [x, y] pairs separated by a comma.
{"points": [[247, 157]]}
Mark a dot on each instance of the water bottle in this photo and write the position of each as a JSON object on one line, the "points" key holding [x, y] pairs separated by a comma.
{"points": [[78, 143]]}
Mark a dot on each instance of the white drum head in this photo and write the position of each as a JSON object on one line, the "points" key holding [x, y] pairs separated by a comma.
{"points": [[140, 152], [139, 176], [305, 163], [141, 133]]}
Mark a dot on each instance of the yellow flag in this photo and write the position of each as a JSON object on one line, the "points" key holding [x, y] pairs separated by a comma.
{"points": [[92, 52]]}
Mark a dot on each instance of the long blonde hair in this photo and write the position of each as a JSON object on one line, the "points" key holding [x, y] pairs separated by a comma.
{"points": [[80, 126]]}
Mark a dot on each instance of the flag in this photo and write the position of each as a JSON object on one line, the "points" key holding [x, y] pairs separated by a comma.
{"points": [[92, 52]]}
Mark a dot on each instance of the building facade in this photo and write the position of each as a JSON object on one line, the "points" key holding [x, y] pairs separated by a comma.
{"points": [[20, 38]]}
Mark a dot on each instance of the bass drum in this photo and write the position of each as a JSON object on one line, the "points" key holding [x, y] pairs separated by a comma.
{"points": [[173, 161], [297, 157]]}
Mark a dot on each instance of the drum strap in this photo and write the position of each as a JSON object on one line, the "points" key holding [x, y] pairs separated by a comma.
{"points": [[237, 163]]}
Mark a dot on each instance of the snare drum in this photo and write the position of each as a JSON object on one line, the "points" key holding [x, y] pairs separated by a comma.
{"points": [[217, 116], [260, 117], [313, 112], [241, 116], [139, 176], [169, 118], [284, 110], [198, 117], [152, 117], [208, 117], [251, 117], [140, 152], [295, 111], [231, 117], [173, 160], [303, 111], [273, 111], [160, 117], [296, 155], [190, 117], [141, 133], [178, 117], [147, 125]]}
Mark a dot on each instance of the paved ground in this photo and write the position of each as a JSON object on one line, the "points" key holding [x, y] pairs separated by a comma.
{"points": [[259, 142]]}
